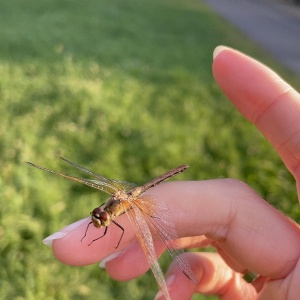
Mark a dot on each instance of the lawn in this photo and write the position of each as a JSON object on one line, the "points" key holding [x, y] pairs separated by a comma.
{"points": [[125, 89]]}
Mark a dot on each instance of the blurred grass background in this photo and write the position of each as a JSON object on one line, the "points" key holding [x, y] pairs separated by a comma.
{"points": [[125, 89]]}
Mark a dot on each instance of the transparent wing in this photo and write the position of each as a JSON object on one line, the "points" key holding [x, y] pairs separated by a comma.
{"points": [[160, 221], [144, 236], [103, 184], [116, 184]]}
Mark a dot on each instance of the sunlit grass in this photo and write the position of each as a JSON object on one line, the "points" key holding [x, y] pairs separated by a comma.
{"points": [[125, 89]]}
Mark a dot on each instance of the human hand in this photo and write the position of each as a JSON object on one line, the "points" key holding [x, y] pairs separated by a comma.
{"points": [[248, 233]]}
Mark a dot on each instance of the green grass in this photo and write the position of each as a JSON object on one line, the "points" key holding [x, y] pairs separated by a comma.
{"points": [[125, 89]]}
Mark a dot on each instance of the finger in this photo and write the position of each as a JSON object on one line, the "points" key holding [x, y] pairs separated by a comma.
{"points": [[71, 248], [215, 278], [264, 99], [131, 262], [246, 227]]}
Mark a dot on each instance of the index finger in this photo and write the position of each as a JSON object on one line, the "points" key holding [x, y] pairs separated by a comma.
{"points": [[250, 230], [263, 98]]}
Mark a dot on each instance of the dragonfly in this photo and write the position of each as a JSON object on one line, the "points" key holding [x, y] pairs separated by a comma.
{"points": [[148, 217]]}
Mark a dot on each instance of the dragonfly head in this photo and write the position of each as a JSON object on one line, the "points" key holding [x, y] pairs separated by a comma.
{"points": [[100, 217]]}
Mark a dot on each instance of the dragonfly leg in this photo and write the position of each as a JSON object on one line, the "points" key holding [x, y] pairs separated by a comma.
{"points": [[105, 231], [87, 227], [121, 234]]}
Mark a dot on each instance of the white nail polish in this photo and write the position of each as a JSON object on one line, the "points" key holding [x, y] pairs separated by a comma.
{"points": [[108, 258], [57, 235], [63, 232], [218, 50]]}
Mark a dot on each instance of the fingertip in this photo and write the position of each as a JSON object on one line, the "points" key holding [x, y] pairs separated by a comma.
{"points": [[74, 247], [179, 286], [48, 241], [214, 276], [104, 261], [249, 84], [218, 50]]}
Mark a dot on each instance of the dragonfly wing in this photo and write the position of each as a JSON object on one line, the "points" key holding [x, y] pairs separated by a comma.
{"points": [[97, 184], [114, 186], [109, 183], [161, 222], [144, 236], [124, 185]]}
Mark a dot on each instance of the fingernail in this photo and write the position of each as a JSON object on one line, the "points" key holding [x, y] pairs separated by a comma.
{"points": [[169, 281], [218, 50], [108, 258], [63, 232], [57, 235]]}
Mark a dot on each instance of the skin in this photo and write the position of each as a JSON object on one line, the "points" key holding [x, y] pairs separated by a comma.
{"points": [[247, 232]]}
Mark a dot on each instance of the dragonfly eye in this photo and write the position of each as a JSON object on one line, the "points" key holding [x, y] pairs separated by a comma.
{"points": [[100, 217]]}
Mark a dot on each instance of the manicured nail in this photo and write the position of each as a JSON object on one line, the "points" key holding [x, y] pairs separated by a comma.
{"points": [[63, 232], [169, 281], [218, 50], [57, 235], [108, 258]]}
